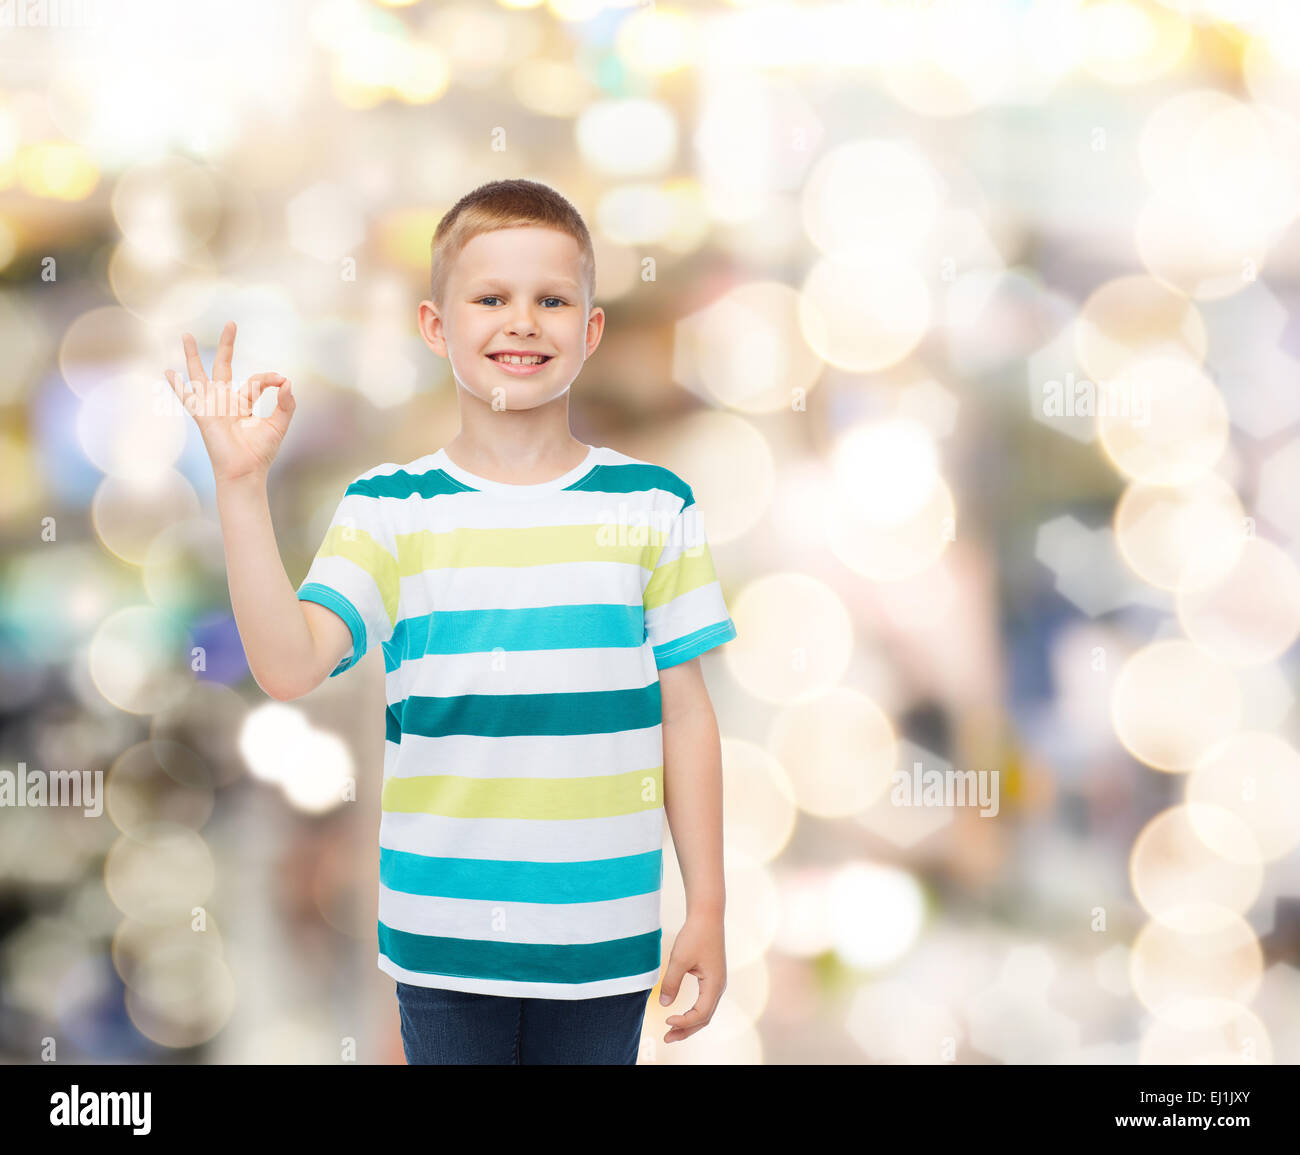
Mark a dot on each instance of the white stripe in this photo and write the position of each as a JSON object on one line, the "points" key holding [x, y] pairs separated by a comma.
{"points": [[686, 613], [643, 508], [534, 755], [349, 579], [593, 990], [524, 587], [524, 672], [523, 839], [530, 923]]}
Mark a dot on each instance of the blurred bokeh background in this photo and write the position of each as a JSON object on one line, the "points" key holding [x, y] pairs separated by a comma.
{"points": [[972, 324]]}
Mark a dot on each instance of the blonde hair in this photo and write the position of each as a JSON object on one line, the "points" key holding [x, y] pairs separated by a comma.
{"points": [[506, 204]]}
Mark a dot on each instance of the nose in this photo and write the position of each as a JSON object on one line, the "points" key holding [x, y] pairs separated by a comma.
{"points": [[522, 320]]}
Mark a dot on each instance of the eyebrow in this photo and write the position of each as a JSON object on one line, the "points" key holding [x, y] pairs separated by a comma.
{"points": [[495, 283]]}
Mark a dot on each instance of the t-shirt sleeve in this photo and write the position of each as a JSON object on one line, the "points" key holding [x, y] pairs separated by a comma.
{"points": [[685, 613], [354, 573]]}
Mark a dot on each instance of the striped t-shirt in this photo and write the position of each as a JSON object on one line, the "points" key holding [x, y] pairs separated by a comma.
{"points": [[523, 628]]}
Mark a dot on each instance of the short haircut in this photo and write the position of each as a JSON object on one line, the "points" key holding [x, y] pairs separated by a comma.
{"points": [[506, 204]]}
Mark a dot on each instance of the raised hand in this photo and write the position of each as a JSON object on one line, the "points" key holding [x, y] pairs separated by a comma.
{"points": [[238, 443]]}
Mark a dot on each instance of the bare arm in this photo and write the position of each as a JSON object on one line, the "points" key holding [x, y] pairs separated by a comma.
{"points": [[693, 784], [693, 802], [291, 646]]}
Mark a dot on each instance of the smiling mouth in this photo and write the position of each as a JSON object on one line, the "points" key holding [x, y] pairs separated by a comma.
{"points": [[510, 359]]}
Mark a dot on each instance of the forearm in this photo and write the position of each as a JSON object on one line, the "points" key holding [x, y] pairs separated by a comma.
{"points": [[277, 641], [693, 805]]}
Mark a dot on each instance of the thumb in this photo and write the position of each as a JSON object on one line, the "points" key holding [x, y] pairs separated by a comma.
{"points": [[672, 980]]}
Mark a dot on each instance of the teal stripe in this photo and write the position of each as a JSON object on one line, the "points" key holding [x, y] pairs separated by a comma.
{"points": [[584, 962], [683, 649], [634, 479], [331, 599], [577, 627], [503, 880], [600, 479], [498, 715], [432, 483]]}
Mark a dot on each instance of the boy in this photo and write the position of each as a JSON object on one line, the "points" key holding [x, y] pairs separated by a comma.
{"points": [[540, 604]]}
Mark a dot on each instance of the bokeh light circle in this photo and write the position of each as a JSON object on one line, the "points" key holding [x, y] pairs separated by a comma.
{"points": [[747, 349], [1256, 776], [1181, 878], [1171, 702], [1163, 422], [157, 781], [759, 817], [1193, 980], [1245, 613], [1180, 536], [886, 552], [129, 515], [182, 996], [794, 637], [139, 659], [158, 873], [863, 314], [1136, 316], [877, 912], [867, 197], [888, 469], [839, 751], [1238, 1036]]}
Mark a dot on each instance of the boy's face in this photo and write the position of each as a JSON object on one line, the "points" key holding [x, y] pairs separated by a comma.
{"points": [[514, 290]]}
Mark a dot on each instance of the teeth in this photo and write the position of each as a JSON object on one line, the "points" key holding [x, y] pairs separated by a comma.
{"points": [[535, 359]]}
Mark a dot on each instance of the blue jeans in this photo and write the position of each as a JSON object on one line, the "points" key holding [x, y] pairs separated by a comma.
{"points": [[442, 1026]]}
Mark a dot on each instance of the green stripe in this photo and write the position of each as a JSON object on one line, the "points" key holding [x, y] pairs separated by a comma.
{"points": [[498, 715], [600, 479], [634, 479], [432, 483], [522, 962]]}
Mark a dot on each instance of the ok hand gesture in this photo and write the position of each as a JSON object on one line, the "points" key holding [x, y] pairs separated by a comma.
{"points": [[239, 444]]}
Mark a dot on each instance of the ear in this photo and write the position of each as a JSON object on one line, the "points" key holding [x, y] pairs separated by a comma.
{"points": [[595, 328], [429, 323]]}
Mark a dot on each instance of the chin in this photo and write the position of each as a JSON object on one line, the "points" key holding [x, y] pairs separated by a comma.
{"points": [[521, 396]]}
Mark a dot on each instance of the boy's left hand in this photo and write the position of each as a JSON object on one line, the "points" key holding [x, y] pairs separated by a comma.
{"points": [[697, 950]]}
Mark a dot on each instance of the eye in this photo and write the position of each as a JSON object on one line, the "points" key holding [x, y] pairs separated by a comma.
{"points": [[487, 298], [560, 299]]}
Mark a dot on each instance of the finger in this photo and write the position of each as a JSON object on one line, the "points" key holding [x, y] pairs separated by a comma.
{"points": [[247, 394], [689, 1021], [190, 401], [285, 404], [225, 353], [193, 363], [710, 994], [284, 407], [679, 1032]]}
